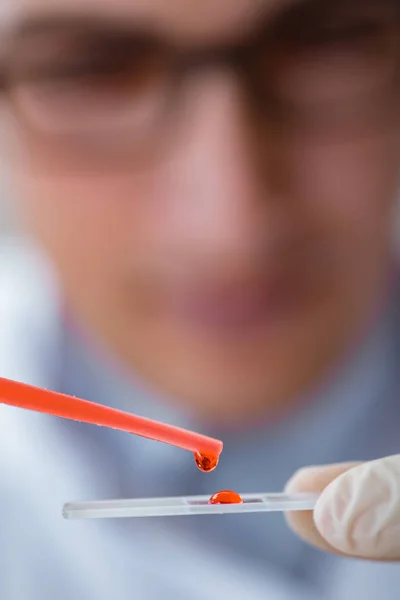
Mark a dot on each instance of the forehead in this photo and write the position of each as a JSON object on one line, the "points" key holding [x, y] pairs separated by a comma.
{"points": [[203, 19]]}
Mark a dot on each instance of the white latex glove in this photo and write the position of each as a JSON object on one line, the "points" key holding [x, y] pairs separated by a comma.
{"points": [[358, 513]]}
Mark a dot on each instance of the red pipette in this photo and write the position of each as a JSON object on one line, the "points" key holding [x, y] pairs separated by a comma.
{"points": [[206, 449]]}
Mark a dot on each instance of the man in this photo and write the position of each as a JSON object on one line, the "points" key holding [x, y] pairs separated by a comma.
{"points": [[211, 189]]}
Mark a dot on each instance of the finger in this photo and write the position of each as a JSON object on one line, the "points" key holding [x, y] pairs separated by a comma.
{"points": [[358, 514], [314, 480]]}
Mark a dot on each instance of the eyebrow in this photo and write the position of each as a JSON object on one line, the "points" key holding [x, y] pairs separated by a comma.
{"points": [[61, 23], [90, 32], [70, 23], [47, 22]]}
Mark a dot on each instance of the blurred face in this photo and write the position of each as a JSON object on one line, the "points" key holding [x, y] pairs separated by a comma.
{"points": [[214, 181]]}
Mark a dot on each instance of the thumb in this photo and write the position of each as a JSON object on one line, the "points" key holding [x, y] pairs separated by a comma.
{"points": [[358, 512]]}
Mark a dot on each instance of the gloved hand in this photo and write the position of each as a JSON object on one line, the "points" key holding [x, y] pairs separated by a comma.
{"points": [[358, 512]]}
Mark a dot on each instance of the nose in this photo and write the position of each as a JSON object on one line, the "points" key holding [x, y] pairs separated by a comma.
{"points": [[225, 205]]}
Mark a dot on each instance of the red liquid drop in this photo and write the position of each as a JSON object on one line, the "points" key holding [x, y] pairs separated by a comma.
{"points": [[225, 497], [205, 463]]}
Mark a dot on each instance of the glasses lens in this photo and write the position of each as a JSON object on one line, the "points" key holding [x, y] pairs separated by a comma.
{"points": [[78, 90], [332, 71]]}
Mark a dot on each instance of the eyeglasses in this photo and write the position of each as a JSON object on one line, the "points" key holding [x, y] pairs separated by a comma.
{"points": [[96, 90]]}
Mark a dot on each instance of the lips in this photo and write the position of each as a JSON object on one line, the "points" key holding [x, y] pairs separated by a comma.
{"points": [[234, 310]]}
